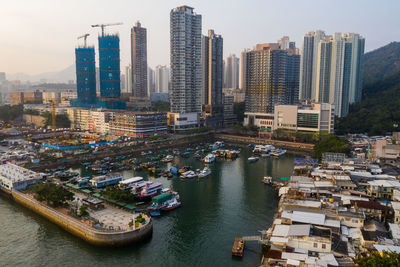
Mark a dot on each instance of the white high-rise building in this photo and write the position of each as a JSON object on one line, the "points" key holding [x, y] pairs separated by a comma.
{"points": [[162, 79], [128, 79], [186, 71], [231, 73], [150, 81], [331, 69]]}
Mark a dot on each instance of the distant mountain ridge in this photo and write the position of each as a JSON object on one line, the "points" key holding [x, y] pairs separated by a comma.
{"points": [[381, 63], [62, 76]]}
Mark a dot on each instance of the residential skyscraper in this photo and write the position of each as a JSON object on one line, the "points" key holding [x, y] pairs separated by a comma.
{"points": [[271, 78], [331, 69], [162, 79], [231, 72], [186, 80], [242, 68], [358, 44], [323, 72], [308, 64], [212, 56], [139, 60]]}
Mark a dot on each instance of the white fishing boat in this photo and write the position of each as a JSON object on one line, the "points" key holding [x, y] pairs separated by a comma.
{"points": [[267, 180], [168, 158], [189, 175], [278, 152], [205, 172], [210, 158], [253, 159]]}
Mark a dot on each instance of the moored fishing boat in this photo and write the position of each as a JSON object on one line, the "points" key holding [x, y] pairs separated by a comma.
{"points": [[267, 180], [253, 159], [167, 159], [149, 190], [205, 172], [278, 152], [210, 158], [189, 174]]}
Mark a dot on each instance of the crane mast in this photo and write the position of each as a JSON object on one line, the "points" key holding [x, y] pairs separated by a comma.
{"points": [[85, 36], [53, 119], [102, 26]]}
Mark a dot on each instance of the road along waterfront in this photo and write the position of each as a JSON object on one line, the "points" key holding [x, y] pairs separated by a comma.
{"points": [[231, 202]]}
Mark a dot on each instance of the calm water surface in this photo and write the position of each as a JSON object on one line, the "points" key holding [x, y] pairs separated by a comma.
{"points": [[232, 202]]}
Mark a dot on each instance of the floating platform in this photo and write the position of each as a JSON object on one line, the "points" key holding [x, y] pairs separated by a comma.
{"points": [[238, 247]]}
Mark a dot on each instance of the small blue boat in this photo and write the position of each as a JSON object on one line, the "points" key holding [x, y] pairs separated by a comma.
{"points": [[155, 213]]}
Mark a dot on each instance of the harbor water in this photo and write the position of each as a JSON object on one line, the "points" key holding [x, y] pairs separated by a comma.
{"points": [[231, 202]]}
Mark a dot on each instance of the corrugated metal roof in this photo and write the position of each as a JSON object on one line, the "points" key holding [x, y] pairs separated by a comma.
{"points": [[294, 256], [395, 229], [308, 217], [381, 248], [281, 230], [299, 230], [396, 205], [279, 239]]}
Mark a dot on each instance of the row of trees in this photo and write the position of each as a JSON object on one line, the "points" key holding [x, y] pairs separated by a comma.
{"points": [[62, 120], [116, 193], [53, 194], [330, 143], [9, 113]]}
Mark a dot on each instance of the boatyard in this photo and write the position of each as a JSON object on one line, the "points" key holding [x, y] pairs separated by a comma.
{"points": [[223, 174], [321, 202]]}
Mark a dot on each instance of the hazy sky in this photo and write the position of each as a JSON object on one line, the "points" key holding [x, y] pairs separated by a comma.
{"points": [[40, 35]]}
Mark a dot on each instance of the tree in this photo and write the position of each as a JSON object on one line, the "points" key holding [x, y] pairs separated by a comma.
{"points": [[10, 113], [116, 193], [53, 194], [330, 143], [381, 259], [83, 211], [62, 120]]}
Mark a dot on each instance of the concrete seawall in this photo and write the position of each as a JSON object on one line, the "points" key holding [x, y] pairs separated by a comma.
{"points": [[292, 146], [90, 235]]}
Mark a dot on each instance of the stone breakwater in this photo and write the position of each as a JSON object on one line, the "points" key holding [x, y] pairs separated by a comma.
{"points": [[83, 231]]}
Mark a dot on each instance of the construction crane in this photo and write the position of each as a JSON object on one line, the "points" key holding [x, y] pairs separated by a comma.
{"points": [[53, 119], [106, 25], [85, 36]]}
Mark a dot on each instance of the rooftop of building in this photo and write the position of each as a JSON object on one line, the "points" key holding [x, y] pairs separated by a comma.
{"points": [[17, 173]]}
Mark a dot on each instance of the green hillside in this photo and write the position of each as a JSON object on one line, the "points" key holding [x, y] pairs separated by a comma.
{"points": [[381, 63], [378, 112]]}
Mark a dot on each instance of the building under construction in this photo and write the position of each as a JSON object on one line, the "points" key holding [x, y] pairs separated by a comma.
{"points": [[110, 81]]}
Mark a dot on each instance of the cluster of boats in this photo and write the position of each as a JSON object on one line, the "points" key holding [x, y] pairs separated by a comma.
{"points": [[265, 151], [186, 172], [268, 150], [198, 173]]}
